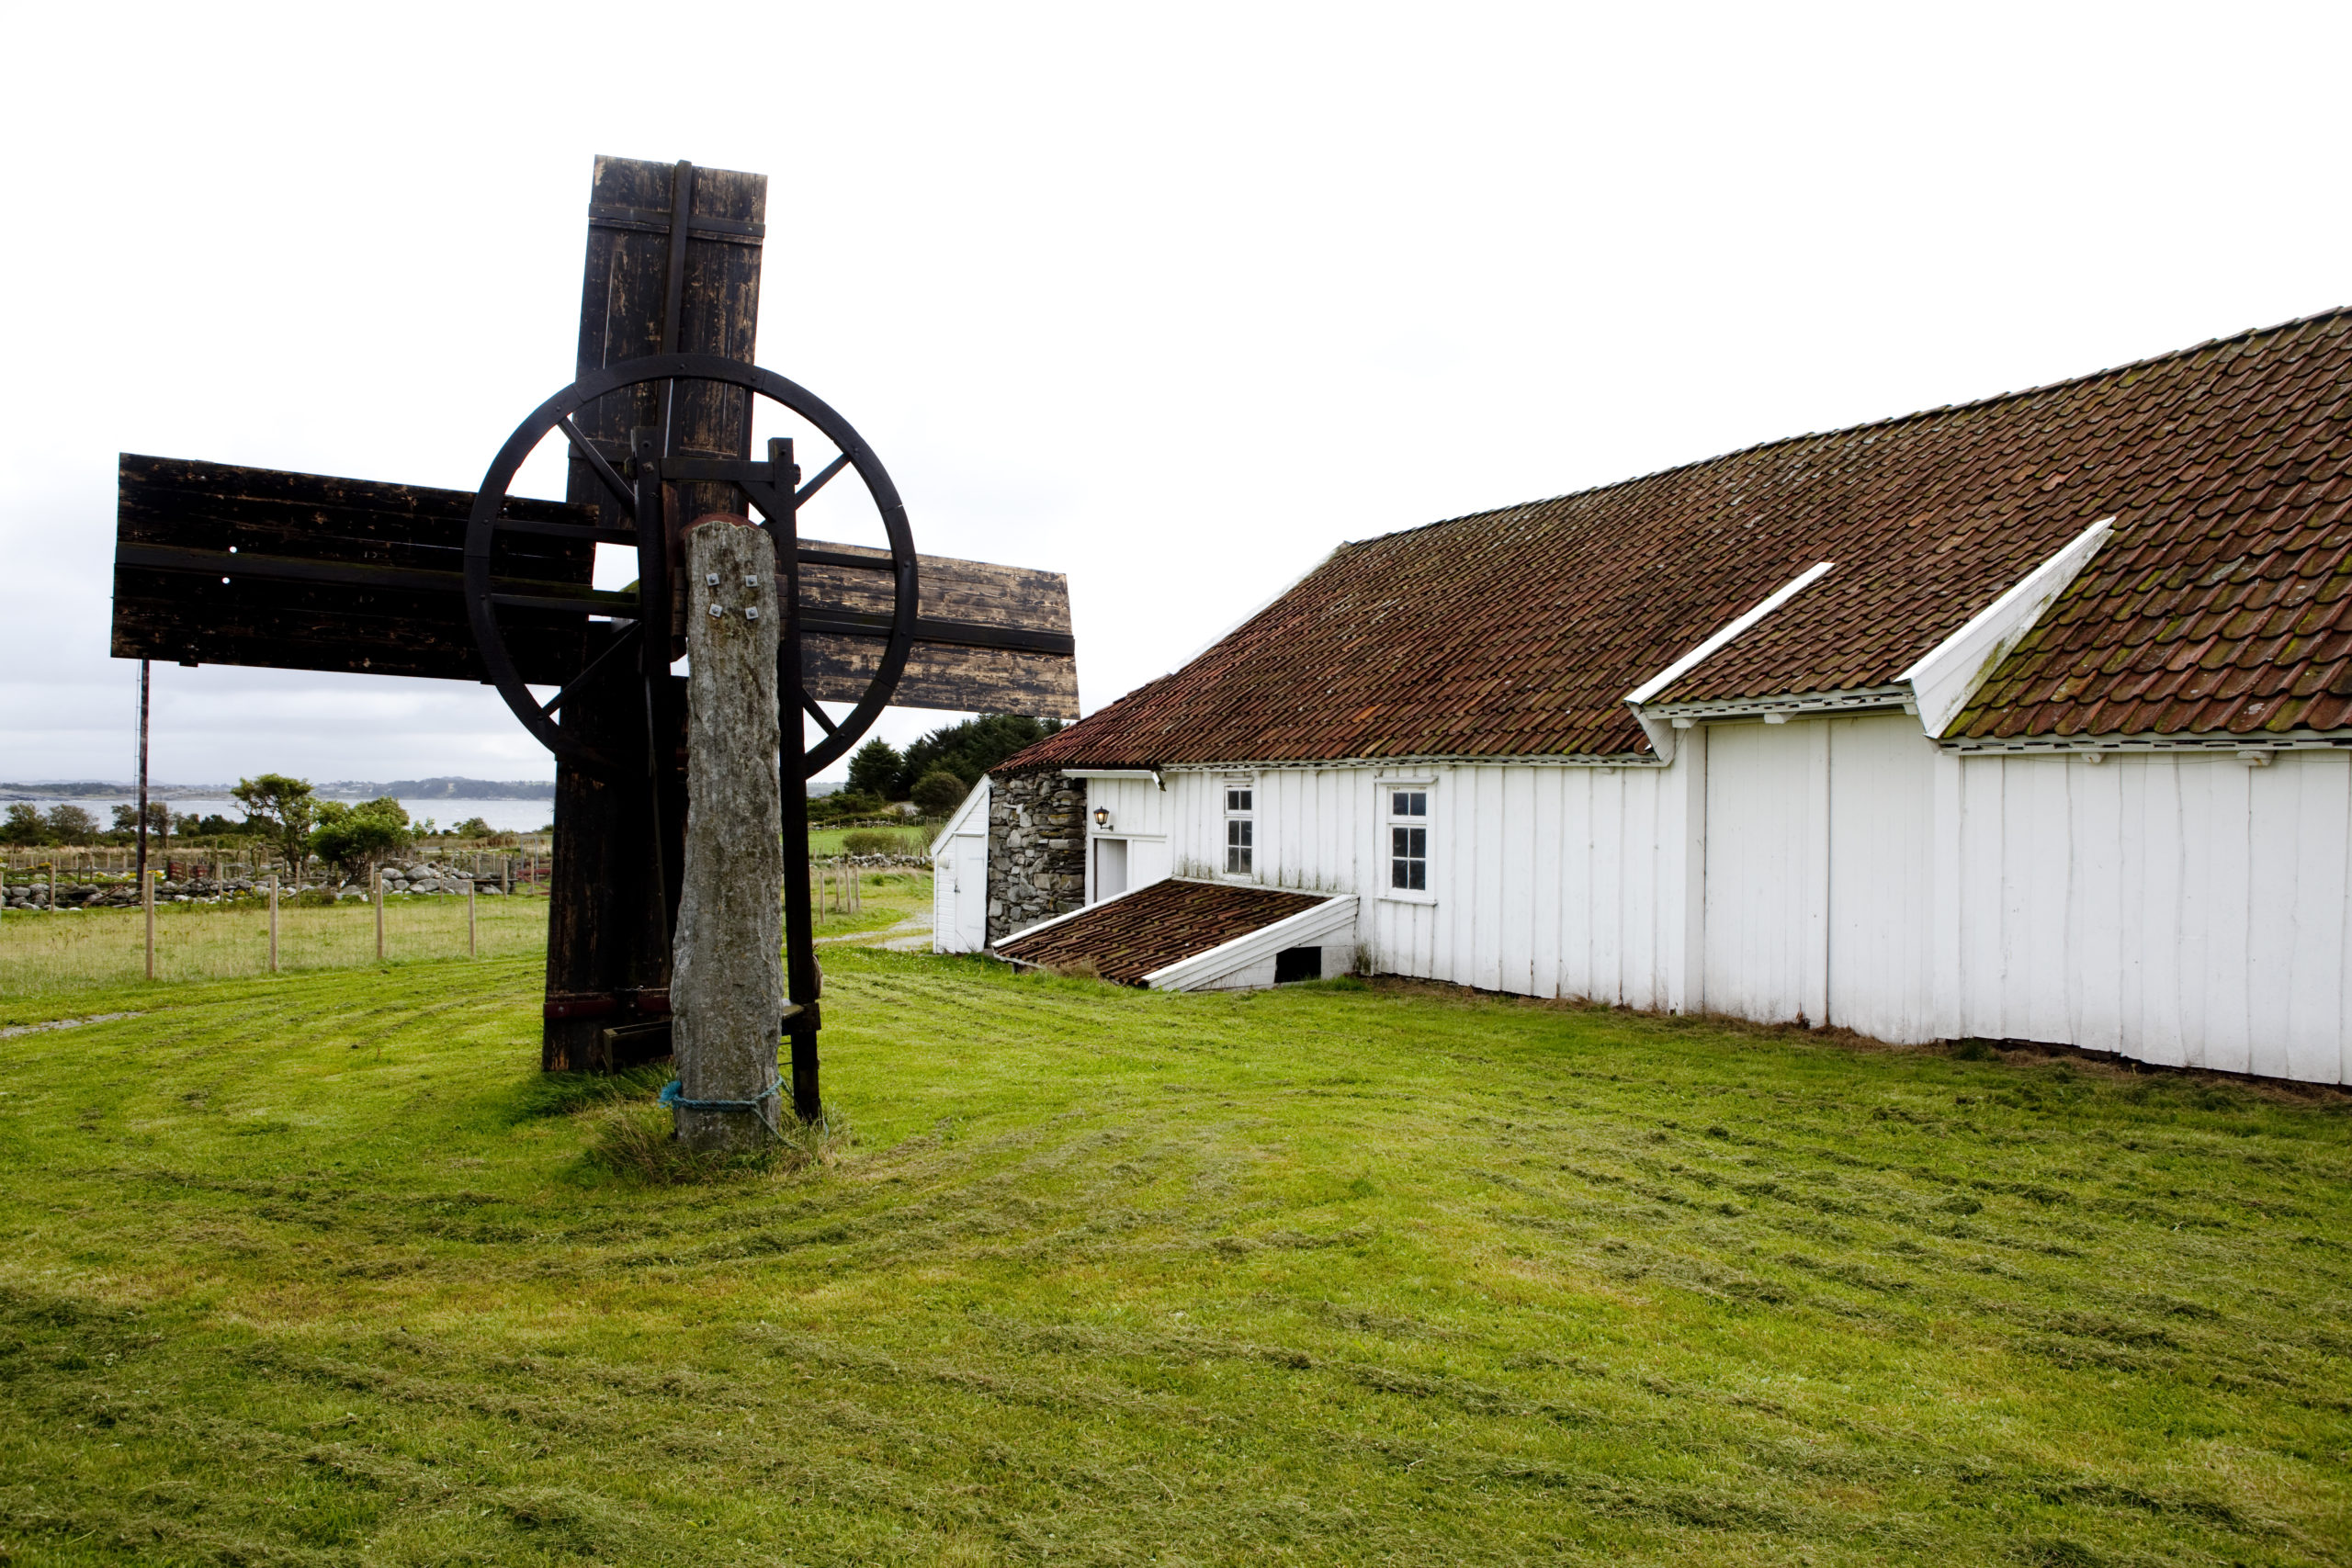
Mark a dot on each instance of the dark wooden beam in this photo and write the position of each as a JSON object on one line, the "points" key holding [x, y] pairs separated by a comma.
{"points": [[218, 564]]}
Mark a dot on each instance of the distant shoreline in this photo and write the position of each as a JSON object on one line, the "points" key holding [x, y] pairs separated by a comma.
{"points": [[441, 789], [446, 788]]}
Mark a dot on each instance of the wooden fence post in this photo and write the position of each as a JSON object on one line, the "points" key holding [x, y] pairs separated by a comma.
{"points": [[379, 914], [726, 985], [147, 890], [273, 922], [473, 948]]}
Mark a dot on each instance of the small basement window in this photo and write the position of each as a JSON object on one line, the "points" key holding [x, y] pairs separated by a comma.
{"points": [[1298, 963], [1240, 831], [1409, 839]]}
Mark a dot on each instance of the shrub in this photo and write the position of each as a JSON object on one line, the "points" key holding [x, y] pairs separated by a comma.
{"points": [[71, 825], [939, 791], [842, 804], [353, 836], [874, 842]]}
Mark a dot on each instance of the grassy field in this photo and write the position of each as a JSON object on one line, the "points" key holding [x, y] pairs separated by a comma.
{"points": [[827, 841], [318, 1269], [43, 955], [75, 949]]}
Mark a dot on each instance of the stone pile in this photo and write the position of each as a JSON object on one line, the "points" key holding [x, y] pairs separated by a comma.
{"points": [[424, 878], [119, 893]]}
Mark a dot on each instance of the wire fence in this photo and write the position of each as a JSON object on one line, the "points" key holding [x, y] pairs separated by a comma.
{"points": [[74, 948], [216, 921]]}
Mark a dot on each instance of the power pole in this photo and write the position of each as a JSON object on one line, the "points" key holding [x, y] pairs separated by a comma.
{"points": [[142, 771]]}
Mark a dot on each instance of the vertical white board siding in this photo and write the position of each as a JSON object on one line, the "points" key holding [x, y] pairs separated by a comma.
{"points": [[1480, 839], [2194, 849], [2228, 910], [1546, 880], [1138, 807], [2180, 909], [1139, 815], [1682, 886], [1651, 876], [1575, 885], [2152, 830], [1606, 867], [2185, 911], [1515, 902], [1766, 869], [2095, 797], [2318, 1041], [2050, 962], [1544, 829], [1945, 894], [1295, 831], [2272, 885], [1882, 801]]}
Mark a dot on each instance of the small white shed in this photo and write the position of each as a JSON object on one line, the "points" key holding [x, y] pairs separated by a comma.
{"points": [[959, 876]]}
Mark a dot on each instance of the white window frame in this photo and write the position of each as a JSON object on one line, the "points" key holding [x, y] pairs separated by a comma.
{"points": [[1386, 813], [1226, 816]]}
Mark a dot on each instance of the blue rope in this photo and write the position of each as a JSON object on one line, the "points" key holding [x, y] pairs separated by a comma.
{"points": [[673, 1094]]}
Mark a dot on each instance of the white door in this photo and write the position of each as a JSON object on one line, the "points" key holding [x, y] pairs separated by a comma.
{"points": [[970, 869], [1110, 867]]}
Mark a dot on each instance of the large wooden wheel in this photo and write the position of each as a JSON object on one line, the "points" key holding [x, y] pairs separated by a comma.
{"points": [[642, 617]]}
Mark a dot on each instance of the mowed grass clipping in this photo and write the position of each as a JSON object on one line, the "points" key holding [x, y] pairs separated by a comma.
{"points": [[319, 1269]]}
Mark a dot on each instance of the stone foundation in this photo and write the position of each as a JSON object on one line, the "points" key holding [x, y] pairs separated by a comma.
{"points": [[1036, 850]]}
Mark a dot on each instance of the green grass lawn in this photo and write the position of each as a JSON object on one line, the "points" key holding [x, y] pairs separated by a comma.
{"points": [[318, 1269]]}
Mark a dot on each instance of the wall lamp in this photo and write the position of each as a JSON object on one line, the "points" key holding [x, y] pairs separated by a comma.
{"points": [[1102, 816]]}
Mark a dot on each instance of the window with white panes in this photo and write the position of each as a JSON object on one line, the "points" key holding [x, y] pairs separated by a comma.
{"points": [[1240, 829], [1409, 838]]}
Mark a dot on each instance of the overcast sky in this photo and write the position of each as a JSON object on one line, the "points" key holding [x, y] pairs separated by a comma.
{"points": [[1172, 298]]}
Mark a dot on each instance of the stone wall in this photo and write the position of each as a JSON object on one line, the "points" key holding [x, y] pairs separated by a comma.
{"points": [[1036, 850]]}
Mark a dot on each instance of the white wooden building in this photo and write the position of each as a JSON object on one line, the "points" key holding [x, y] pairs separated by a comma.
{"points": [[2028, 719]]}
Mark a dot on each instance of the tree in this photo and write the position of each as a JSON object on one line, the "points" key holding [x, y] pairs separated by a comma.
{"points": [[842, 805], [873, 770], [24, 827], [472, 827], [357, 836], [282, 810], [970, 748], [126, 819], [939, 791], [71, 825]]}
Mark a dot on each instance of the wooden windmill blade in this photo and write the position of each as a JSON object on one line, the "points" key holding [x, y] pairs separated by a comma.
{"points": [[220, 564]]}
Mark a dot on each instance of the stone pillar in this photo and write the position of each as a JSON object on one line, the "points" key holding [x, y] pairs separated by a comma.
{"points": [[1036, 850], [726, 970]]}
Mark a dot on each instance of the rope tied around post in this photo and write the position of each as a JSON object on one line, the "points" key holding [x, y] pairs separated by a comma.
{"points": [[674, 1095]]}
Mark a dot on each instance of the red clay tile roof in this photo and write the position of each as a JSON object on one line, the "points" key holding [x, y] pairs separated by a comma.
{"points": [[2221, 602], [1151, 928]]}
